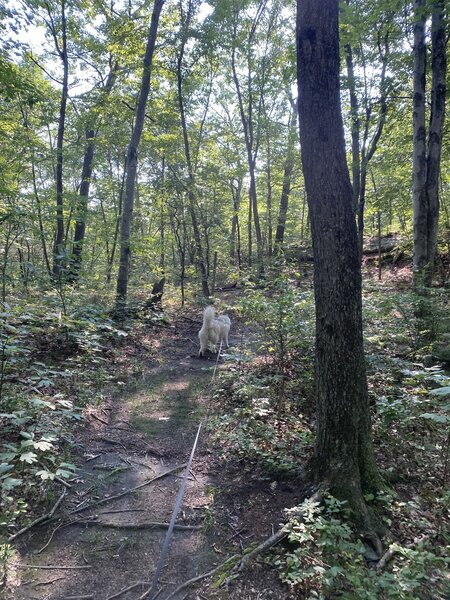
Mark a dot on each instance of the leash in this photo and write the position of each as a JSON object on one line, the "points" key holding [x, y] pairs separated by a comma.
{"points": [[151, 593]]}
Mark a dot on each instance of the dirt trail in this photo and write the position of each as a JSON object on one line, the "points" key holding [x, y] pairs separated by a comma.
{"points": [[145, 432]]}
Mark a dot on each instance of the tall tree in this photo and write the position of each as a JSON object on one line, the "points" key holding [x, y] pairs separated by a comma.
{"points": [[427, 155], [92, 128], [60, 40], [344, 454], [287, 176], [124, 264], [200, 258], [367, 48], [251, 117]]}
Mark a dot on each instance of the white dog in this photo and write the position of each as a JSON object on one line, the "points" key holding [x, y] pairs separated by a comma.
{"points": [[214, 330]]}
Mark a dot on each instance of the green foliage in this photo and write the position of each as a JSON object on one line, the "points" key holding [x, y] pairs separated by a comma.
{"points": [[38, 397], [284, 313], [254, 430], [327, 561]]}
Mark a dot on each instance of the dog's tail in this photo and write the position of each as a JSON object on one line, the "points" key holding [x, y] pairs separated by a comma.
{"points": [[208, 316]]}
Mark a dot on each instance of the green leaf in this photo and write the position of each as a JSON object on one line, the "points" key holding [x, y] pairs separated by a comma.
{"points": [[28, 457], [45, 475], [9, 483], [435, 417], [43, 445], [5, 467], [443, 391], [64, 473]]}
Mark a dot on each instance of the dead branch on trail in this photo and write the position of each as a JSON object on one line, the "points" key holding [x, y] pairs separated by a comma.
{"points": [[129, 491], [279, 535], [145, 525], [47, 582], [50, 567], [387, 556], [128, 589], [46, 517], [218, 569], [50, 538], [92, 414]]}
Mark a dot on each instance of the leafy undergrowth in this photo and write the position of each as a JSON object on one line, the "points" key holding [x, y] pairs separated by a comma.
{"points": [[56, 357], [267, 421]]}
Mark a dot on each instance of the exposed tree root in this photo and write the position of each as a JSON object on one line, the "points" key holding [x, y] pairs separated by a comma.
{"points": [[146, 525]]}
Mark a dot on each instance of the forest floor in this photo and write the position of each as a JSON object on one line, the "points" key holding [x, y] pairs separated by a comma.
{"points": [[95, 550], [144, 393]]}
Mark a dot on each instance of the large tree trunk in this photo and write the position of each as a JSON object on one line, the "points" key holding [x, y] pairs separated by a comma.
{"points": [[80, 217], [124, 264], [344, 455]]}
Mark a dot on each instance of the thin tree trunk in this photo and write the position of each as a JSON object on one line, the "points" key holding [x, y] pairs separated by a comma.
{"points": [[191, 194], [355, 129], [369, 151], [86, 175], [40, 222], [286, 189], [269, 199], [343, 455], [250, 142], [124, 264], [419, 143], [58, 248], [110, 259]]}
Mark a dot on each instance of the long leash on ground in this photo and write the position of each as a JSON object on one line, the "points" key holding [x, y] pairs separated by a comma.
{"points": [[151, 593]]}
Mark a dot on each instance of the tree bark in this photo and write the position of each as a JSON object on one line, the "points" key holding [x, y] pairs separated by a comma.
{"points": [[191, 194], [124, 264], [86, 174], [426, 157], [438, 93], [251, 144], [286, 189], [368, 150], [419, 142], [58, 247], [343, 455], [355, 129]]}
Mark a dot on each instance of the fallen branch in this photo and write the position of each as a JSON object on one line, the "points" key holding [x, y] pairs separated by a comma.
{"points": [[387, 556], [88, 597], [47, 582], [190, 582], [128, 589], [98, 418], [129, 491], [46, 517], [276, 538], [145, 525], [50, 567], [50, 538]]}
